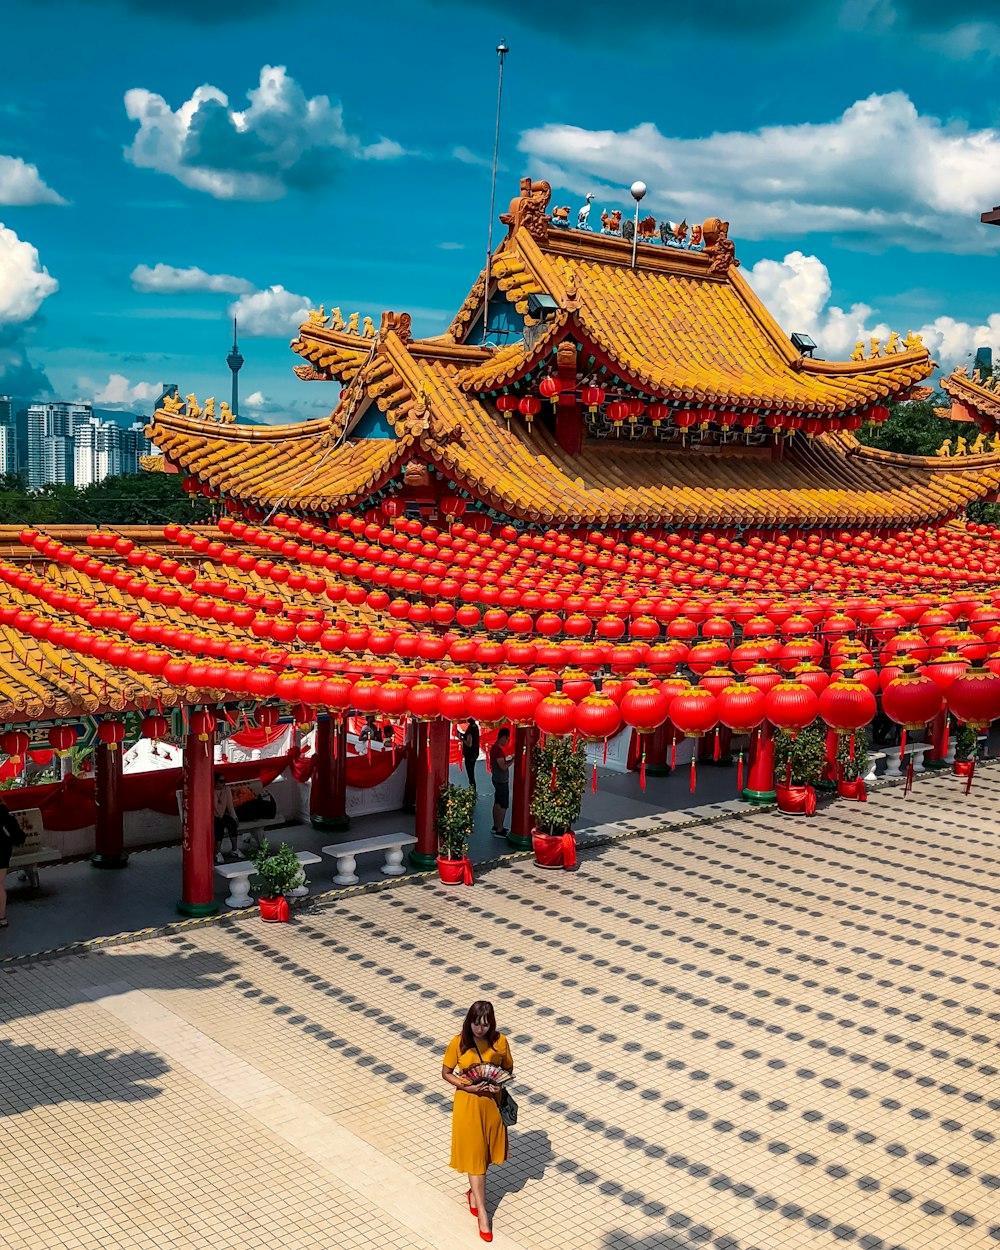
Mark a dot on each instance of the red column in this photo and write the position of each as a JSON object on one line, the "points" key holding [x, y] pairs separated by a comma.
{"points": [[198, 850], [760, 783], [431, 771], [658, 751], [524, 787], [109, 840], [938, 748], [328, 794]]}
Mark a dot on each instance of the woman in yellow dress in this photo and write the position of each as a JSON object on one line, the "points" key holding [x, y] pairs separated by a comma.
{"points": [[478, 1135]]}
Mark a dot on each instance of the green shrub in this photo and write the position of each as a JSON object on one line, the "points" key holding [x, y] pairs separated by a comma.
{"points": [[278, 871], [556, 808], [965, 743], [807, 752], [853, 769], [456, 806]]}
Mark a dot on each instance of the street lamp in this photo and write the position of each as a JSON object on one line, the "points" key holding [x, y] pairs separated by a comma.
{"points": [[638, 190]]}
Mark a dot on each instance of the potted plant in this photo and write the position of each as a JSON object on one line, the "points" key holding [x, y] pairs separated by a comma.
{"points": [[798, 765], [277, 872], [456, 806], [560, 778], [965, 750], [851, 779]]}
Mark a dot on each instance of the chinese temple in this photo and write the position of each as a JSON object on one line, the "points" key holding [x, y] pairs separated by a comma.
{"points": [[612, 494]]}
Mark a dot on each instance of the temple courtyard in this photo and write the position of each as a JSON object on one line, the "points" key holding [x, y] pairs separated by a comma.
{"points": [[734, 1029]]}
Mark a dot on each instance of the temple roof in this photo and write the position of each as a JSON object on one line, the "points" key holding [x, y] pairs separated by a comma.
{"points": [[972, 398], [682, 329]]}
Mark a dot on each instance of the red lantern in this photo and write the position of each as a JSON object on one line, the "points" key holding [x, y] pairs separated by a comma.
{"points": [[791, 705], [644, 708], [529, 407], [694, 711], [597, 718], [266, 715], [424, 701], [453, 702], [505, 404], [846, 705], [974, 697], [556, 714], [592, 397], [549, 389], [111, 733], [520, 703], [740, 707], [15, 743], [154, 727], [61, 738], [911, 700]]}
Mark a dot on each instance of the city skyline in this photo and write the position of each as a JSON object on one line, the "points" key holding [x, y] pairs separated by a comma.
{"points": [[65, 443], [250, 172]]}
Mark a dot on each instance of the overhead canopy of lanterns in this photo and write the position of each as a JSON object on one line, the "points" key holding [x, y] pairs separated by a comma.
{"points": [[575, 633]]}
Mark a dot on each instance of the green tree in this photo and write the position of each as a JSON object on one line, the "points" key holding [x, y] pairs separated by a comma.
{"points": [[132, 499], [914, 428]]}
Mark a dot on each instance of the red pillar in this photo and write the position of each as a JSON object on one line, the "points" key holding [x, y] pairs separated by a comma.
{"points": [[760, 783], [328, 795], [658, 751], [938, 746], [109, 840], [524, 787], [198, 850], [431, 770]]}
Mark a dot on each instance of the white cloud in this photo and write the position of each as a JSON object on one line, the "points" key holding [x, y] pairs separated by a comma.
{"points": [[269, 314], [797, 290], [285, 140], [24, 283], [22, 185], [451, 247], [118, 392], [881, 173], [167, 280], [257, 400]]}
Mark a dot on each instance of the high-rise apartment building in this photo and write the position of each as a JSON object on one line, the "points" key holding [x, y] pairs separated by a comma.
{"points": [[8, 436], [50, 441], [97, 450], [135, 444]]}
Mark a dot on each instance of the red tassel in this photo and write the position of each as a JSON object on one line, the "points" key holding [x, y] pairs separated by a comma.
{"points": [[851, 749], [673, 752], [694, 773], [902, 745], [946, 735], [604, 758], [593, 781], [788, 770], [467, 877], [715, 750], [554, 782], [642, 771], [739, 774], [428, 750], [909, 775], [569, 850], [972, 769], [862, 791]]}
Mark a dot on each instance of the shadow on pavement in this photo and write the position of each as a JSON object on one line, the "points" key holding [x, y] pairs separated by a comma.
{"points": [[37, 1077]]}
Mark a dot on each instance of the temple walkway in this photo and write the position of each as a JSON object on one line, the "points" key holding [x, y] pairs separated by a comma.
{"points": [[751, 1033]]}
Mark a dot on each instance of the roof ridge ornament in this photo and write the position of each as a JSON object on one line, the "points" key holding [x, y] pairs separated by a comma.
{"points": [[719, 247], [529, 211]]}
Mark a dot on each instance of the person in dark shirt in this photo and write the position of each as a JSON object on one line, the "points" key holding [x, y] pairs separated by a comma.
{"points": [[470, 750], [11, 835], [500, 763]]}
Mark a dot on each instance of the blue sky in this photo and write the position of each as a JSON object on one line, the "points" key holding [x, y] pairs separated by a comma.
{"points": [[143, 192]]}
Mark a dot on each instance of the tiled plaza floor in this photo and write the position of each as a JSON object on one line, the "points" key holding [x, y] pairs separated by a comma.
{"points": [[765, 1032]]}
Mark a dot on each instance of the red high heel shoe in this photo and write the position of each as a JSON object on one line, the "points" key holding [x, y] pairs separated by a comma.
{"points": [[468, 1199], [485, 1236]]}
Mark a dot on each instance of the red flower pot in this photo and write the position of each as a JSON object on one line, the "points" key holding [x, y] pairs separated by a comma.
{"points": [[455, 871], [853, 790], [962, 768], [796, 800], [273, 910], [554, 850]]}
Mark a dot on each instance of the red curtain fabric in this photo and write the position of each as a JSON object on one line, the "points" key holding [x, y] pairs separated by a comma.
{"points": [[364, 773], [252, 739]]}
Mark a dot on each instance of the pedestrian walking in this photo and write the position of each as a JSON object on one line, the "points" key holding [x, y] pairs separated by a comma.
{"points": [[11, 835], [500, 763], [478, 1133], [226, 821], [470, 749]]}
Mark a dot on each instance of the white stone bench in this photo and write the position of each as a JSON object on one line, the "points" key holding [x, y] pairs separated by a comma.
{"points": [[244, 826], [345, 853], [873, 759], [916, 749], [238, 875], [26, 857]]}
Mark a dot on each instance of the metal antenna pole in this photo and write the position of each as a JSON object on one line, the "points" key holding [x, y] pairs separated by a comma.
{"points": [[502, 50]]}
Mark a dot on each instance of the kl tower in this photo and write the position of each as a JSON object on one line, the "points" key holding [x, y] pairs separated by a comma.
{"points": [[235, 361]]}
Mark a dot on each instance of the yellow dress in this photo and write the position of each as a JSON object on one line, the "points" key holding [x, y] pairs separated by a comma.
{"points": [[478, 1135]]}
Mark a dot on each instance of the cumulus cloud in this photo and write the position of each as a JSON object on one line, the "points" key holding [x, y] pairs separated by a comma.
{"points": [[797, 291], [284, 141], [272, 313], [881, 174], [22, 185], [167, 280], [18, 376], [24, 281], [119, 392]]}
